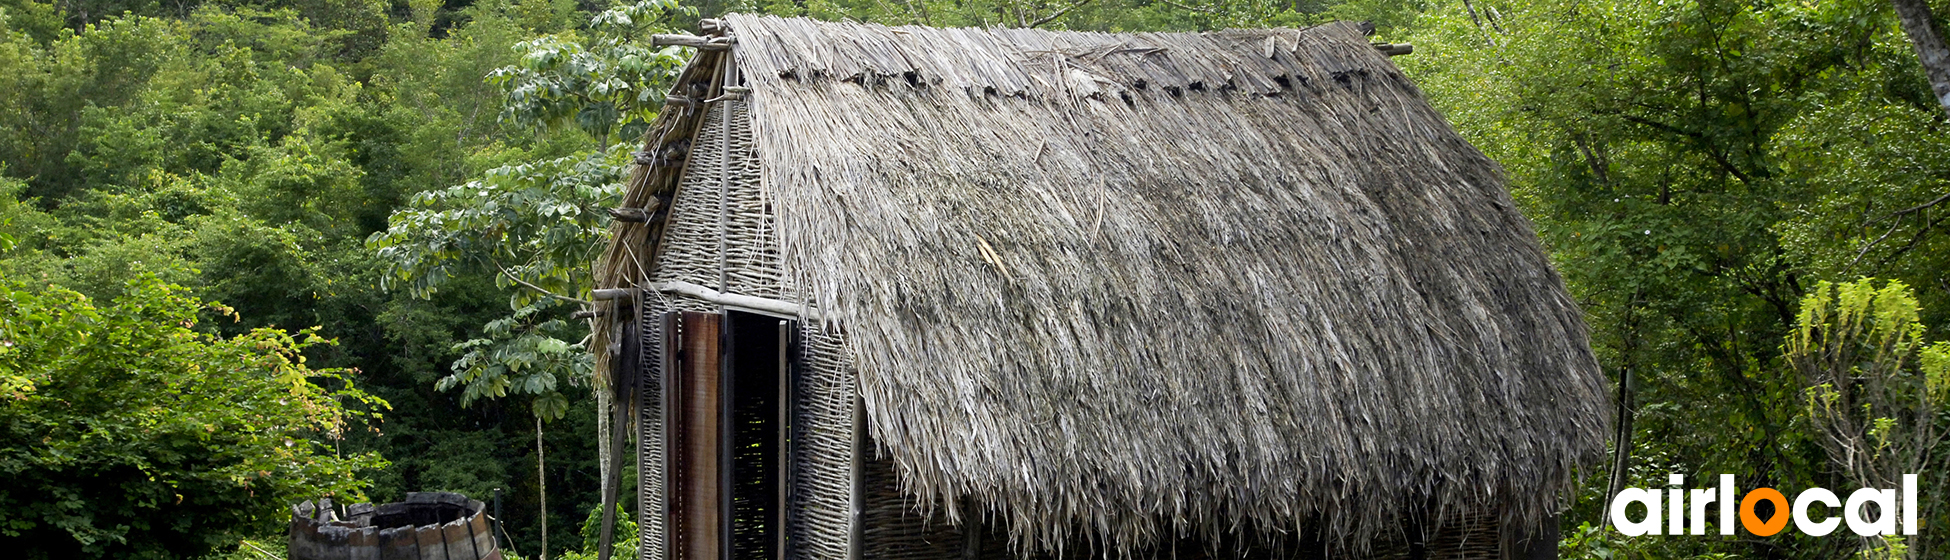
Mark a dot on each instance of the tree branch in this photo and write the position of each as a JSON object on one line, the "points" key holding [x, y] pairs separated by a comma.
{"points": [[1058, 14], [1921, 234], [1479, 24], [1705, 146], [1192, 8], [920, 8], [1892, 230], [525, 284], [1912, 209], [1865, 248]]}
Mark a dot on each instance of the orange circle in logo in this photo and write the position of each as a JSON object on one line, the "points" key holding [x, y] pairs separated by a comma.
{"points": [[1753, 523]]}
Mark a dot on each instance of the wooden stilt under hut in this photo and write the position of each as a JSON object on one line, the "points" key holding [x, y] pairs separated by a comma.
{"points": [[898, 293]]}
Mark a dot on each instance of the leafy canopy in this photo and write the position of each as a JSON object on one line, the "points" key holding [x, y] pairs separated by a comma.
{"points": [[608, 81], [128, 433], [535, 227]]}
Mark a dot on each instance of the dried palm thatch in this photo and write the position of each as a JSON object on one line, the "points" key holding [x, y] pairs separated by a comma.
{"points": [[1124, 287]]}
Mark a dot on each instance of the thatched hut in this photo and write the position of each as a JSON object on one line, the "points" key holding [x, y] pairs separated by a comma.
{"points": [[901, 292]]}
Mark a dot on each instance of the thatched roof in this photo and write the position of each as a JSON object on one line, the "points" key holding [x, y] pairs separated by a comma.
{"points": [[1125, 285]]}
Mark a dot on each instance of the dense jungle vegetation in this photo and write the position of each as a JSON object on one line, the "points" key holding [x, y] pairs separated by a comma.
{"points": [[253, 251]]}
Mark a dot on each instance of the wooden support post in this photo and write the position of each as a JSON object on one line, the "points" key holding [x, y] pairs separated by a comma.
{"points": [[667, 375], [971, 529], [622, 378], [857, 540]]}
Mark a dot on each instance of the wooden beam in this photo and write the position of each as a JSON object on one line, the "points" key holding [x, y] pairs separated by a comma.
{"points": [[627, 214], [754, 303], [693, 41], [1394, 49], [600, 294]]}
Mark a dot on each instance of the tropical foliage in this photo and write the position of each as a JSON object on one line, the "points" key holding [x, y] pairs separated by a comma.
{"points": [[1698, 168], [128, 433]]}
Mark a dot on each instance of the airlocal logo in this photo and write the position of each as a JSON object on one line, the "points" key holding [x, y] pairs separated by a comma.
{"points": [[1676, 500]]}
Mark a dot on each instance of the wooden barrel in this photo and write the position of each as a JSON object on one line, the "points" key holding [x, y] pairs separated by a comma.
{"points": [[427, 526]]}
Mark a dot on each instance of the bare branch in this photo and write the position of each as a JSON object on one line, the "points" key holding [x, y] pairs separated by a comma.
{"points": [[920, 8], [1192, 8], [1058, 14], [1479, 24], [1892, 229], [889, 9], [1701, 140], [525, 284], [1865, 249], [1939, 200], [1921, 234]]}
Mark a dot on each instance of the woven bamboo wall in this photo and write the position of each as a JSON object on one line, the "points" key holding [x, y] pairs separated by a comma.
{"points": [[650, 437], [1474, 537], [822, 486], [718, 220], [895, 529]]}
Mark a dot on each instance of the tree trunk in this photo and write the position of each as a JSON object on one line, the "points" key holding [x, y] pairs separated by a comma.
{"points": [[604, 402], [1924, 34], [1622, 438], [612, 413], [1622, 442], [541, 484]]}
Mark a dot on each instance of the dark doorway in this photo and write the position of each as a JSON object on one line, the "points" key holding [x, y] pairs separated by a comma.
{"points": [[758, 368], [729, 396]]}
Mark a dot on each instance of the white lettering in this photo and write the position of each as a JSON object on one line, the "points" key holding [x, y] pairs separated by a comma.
{"points": [[1809, 526], [1666, 511], [1701, 497], [1885, 501], [1676, 505], [1628, 496], [1909, 504], [1726, 504]]}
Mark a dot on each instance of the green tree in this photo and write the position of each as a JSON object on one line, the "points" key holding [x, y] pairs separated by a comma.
{"points": [[1695, 168], [127, 433], [625, 547], [609, 82], [245, 151], [1085, 15], [533, 227]]}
